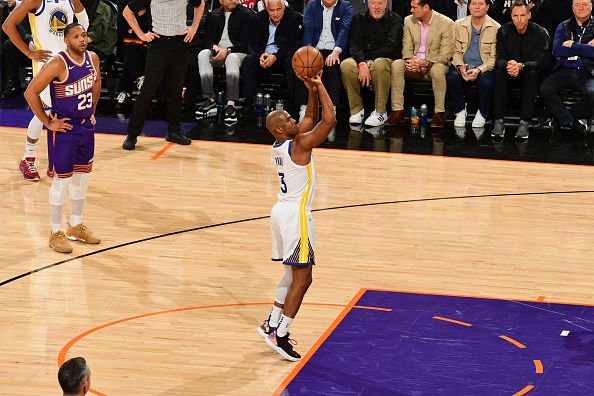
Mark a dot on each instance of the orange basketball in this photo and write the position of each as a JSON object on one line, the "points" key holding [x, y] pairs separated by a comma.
{"points": [[307, 62]]}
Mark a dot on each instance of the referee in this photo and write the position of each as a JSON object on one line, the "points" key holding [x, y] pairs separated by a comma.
{"points": [[166, 58]]}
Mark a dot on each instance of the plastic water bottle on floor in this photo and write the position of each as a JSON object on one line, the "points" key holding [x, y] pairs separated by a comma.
{"points": [[423, 116]]}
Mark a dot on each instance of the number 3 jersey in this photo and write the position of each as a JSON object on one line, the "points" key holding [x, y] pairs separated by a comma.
{"points": [[297, 182], [73, 96]]}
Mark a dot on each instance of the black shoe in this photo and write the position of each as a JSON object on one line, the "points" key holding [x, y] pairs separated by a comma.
{"points": [[206, 109], [129, 143], [178, 138], [10, 92], [122, 100], [578, 127], [284, 346], [230, 115]]}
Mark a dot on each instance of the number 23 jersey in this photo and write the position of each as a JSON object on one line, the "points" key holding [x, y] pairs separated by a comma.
{"points": [[297, 182], [73, 96]]}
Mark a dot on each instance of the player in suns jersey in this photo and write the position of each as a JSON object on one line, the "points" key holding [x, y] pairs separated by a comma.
{"points": [[75, 83], [290, 220], [47, 18]]}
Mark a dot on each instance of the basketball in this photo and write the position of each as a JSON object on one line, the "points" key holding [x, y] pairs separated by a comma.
{"points": [[307, 62]]}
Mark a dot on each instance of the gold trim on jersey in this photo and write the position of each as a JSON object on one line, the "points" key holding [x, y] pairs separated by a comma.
{"points": [[303, 219], [33, 25]]}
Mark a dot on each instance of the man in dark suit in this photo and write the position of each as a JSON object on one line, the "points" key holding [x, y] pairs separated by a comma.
{"points": [[276, 34], [326, 26]]}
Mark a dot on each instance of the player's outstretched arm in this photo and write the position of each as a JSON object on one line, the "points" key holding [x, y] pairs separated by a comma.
{"points": [[52, 70], [305, 142], [312, 113], [10, 28]]}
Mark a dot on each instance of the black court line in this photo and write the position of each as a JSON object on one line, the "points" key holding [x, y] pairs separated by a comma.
{"points": [[266, 217]]}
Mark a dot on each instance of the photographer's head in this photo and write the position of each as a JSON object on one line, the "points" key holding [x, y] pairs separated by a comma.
{"points": [[75, 377]]}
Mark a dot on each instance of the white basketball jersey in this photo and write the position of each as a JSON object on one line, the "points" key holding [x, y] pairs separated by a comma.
{"points": [[47, 26], [297, 182]]}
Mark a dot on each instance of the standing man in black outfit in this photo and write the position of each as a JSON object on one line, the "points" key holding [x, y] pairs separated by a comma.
{"points": [[166, 58], [523, 58]]}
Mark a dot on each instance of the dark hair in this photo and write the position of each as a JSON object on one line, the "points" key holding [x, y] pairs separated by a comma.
{"points": [[71, 26], [520, 3], [72, 374], [430, 3]]}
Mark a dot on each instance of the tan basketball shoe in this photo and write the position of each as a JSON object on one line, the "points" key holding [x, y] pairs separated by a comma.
{"points": [[59, 242], [81, 233]]}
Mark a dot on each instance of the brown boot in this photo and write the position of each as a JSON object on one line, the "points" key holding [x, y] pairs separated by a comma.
{"points": [[437, 121], [397, 117]]}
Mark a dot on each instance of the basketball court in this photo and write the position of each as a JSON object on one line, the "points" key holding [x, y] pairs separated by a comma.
{"points": [[434, 275]]}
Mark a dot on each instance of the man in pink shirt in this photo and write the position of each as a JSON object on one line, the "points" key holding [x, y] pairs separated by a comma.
{"points": [[427, 49]]}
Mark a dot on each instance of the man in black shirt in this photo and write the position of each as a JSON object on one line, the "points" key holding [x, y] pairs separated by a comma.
{"points": [[376, 40], [227, 33], [523, 57], [573, 47]]}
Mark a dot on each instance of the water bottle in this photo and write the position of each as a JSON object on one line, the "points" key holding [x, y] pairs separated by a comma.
{"points": [[414, 116], [260, 109], [267, 104], [220, 107], [423, 117]]}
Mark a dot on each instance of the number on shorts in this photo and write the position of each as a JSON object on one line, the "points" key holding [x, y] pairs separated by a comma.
{"points": [[283, 186], [86, 101]]}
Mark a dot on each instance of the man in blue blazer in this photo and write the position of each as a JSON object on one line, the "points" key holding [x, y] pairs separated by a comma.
{"points": [[326, 25]]}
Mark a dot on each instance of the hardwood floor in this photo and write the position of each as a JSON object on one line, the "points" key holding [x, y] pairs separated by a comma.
{"points": [[189, 229]]}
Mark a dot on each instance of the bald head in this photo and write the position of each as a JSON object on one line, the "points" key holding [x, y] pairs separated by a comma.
{"points": [[274, 120]]}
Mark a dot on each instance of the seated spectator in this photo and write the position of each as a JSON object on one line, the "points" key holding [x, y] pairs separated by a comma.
{"points": [[276, 34], [427, 49], [572, 46], [501, 9], [473, 61], [453, 9], [523, 58], [227, 32], [376, 40], [74, 377], [103, 31], [326, 26], [132, 53]]}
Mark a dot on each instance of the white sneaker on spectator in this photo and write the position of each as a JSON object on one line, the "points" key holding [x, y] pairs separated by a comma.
{"points": [[479, 120], [139, 82], [460, 120], [332, 135], [357, 118], [376, 119], [302, 112]]}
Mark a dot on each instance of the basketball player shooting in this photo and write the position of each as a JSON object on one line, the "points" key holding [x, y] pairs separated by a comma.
{"points": [[75, 83], [291, 221]]}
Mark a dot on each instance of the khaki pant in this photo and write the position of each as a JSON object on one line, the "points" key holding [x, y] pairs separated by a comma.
{"points": [[437, 76], [380, 75]]}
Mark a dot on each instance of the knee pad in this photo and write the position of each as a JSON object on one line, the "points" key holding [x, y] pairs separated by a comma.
{"points": [[79, 186], [57, 192]]}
